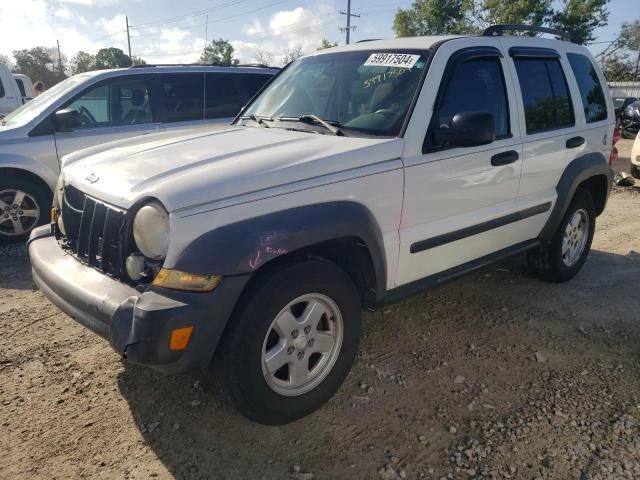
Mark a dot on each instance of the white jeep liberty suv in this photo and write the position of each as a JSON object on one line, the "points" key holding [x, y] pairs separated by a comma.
{"points": [[360, 175]]}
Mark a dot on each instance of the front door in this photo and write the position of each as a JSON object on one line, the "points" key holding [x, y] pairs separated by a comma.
{"points": [[114, 109], [459, 202]]}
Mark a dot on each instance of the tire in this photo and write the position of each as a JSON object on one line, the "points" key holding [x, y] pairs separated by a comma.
{"points": [[24, 205], [264, 324], [556, 261]]}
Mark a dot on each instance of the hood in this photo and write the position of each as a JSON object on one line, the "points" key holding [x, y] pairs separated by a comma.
{"points": [[197, 168], [11, 132]]}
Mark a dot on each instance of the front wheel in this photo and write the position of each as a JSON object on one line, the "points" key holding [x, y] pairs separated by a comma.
{"points": [[562, 258], [291, 344], [23, 206]]}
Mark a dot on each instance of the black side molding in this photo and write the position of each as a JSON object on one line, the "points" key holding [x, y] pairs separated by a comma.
{"points": [[479, 228], [432, 281]]}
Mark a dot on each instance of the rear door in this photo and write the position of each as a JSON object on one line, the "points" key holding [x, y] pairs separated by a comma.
{"points": [[554, 122], [119, 107]]}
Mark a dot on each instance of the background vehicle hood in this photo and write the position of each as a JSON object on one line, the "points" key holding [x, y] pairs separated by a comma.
{"points": [[198, 168]]}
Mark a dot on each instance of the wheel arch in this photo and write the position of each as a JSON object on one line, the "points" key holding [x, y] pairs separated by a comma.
{"points": [[27, 174], [589, 172], [342, 232]]}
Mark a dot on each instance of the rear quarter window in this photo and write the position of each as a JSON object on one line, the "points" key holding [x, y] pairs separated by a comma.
{"points": [[1, 89], [21, 87], [593, 100]]}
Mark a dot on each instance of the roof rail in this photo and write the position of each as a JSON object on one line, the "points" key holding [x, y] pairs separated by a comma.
{"points": [[498, 30], [368, 40], [256, 65]]}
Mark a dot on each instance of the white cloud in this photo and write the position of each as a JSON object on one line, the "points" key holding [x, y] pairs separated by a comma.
{"points": [[254, 28], [303, 27], [101, 3]]}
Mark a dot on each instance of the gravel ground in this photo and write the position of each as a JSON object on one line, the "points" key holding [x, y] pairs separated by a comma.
{"points": [[496, 375]]}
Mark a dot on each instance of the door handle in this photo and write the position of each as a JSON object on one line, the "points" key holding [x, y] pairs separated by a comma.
{"points": [[504, 158], [574, 142]]}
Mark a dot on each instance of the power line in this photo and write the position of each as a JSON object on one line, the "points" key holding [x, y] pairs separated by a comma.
{"points": [[191, 27], [197, 13]]}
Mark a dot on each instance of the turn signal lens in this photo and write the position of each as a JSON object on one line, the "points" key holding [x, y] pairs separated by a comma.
{"points": [[177, 280], [53, 215], [180, 338]]}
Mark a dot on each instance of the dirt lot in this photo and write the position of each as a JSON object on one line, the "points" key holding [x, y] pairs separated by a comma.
{"points": [[496, 374]]}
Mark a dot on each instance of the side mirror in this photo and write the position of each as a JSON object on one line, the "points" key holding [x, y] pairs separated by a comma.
{"points": [[67, 119], [467, 129]]}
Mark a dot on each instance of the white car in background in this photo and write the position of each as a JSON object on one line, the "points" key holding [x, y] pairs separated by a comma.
{"points": [[97, 107], [11, 96], [635, 157], [25, 85]]}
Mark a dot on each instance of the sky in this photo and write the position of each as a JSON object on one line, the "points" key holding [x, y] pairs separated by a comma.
{"points": [[176, 32]]}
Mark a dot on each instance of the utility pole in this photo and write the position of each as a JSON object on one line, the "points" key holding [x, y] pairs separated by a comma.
{"points": [[349, 15], [59, 58], [206, 31], [128, 38]]}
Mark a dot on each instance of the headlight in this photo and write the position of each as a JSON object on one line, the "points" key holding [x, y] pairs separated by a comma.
{"points": [[151, 231]]}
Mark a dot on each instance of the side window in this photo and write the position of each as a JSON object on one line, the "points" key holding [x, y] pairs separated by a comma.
{"points": [[253, 82], [183, 96], [223, 98], [1, 89], [21, 87], [117, 102], [593, 101], [476, 85], [547, 104]]}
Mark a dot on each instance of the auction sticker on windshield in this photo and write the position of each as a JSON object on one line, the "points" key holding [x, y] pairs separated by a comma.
{"points": [[401, 60]]}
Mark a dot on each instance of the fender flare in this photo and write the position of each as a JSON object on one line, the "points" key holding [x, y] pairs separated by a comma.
{"points": [[244, 247], [31, 166], [578, 170]]}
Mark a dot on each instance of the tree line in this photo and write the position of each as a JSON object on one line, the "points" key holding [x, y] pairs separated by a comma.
{"points": [[619, 60]]}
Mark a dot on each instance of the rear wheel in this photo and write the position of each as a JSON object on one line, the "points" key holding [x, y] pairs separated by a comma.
{"points": [[562, 258], [291, 344], [23, 206]]}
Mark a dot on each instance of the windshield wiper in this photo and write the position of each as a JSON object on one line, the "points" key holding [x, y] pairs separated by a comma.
{"points": [[316, 119], [259, 120]]}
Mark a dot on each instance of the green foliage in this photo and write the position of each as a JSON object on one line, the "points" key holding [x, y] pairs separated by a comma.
{"points": [[618, 68], [82, 62], [435, 17], [39, 63], [138, 61], [629, 37], [327, 44], [289, 55], [527, 12], [219, 52], [111, 58], [5, 59], [581, 17]]}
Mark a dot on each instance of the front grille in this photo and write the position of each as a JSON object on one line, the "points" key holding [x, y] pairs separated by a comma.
{"points": [[94, 232]]}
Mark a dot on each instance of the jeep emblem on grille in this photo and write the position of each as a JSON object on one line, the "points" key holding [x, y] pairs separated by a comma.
{"points": [[92, 178]]}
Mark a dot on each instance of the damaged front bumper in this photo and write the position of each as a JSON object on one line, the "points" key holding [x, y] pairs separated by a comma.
{"points": [[137, 325]]}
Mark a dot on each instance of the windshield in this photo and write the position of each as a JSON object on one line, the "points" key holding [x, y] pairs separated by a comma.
{"points": [[33, 108], [366, 92]]}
